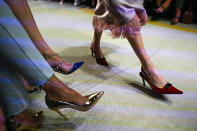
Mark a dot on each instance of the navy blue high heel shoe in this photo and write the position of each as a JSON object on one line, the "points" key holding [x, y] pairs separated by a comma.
{"points": [[58, 68], [74, 68]]}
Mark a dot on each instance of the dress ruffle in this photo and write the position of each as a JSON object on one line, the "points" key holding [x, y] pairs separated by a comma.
{"points": [[131, 28]]}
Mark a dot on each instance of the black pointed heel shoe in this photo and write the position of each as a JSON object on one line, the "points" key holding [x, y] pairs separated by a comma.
{"points": [[100, 61]]}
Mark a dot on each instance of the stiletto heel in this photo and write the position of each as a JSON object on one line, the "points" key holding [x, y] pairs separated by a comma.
{"points": [[100, 61], [60, 113], [144, 84], [93, 55], [167, 89], [92, 99]]}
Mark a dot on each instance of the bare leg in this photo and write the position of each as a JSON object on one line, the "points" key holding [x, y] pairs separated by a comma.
{"points": [[58, 91], [147, 65], [95, 45], [23, 13]]}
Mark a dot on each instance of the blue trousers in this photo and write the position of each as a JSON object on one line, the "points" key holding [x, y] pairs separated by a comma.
{"points": [[19, 58]]}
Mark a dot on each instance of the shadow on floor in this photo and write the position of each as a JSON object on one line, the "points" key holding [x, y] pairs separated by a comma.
{"points": [[71, 124], [150, 92], [83, 53]]}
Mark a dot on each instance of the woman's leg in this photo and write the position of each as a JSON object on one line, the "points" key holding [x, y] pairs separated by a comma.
{"points": [[15, 101], [25, 59], [95, 45], [96, 49], [19, 53], [147, 65], [13, 94], [23, 13]]}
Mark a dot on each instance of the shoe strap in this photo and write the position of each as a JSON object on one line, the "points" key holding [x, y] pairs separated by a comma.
{"points": [[167, 86], [50, 55], [58, 67]]}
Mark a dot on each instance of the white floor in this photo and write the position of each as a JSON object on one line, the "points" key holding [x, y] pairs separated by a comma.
{"points": [[126, 104]]}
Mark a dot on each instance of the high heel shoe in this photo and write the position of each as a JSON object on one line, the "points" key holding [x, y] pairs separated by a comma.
{"points": [[20, 123], [74, 68], [167, 89], [92, 99], [100, 61], [58, 68]]}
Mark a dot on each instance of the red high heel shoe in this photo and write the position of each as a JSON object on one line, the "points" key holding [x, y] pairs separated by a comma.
{"points": [[100, 61], [167, 89]]}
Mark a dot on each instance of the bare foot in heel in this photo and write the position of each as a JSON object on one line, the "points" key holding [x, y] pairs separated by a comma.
{"points": [[60, 96], [155, 77], [61, 66]]}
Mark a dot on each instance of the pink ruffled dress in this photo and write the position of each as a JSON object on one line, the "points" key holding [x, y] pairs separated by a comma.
{"points": [[122, 17]]}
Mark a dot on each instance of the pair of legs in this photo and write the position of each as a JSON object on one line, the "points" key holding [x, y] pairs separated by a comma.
{"points": [[20, 58], [137, 45]]}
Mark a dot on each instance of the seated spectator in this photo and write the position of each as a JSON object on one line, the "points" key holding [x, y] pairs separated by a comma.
{"points": [[188, 16], [179, 6], [161, 8]]}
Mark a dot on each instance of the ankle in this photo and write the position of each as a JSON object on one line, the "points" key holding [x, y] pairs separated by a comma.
{"points": [[24, 117], [148, 67], [57, 91]]}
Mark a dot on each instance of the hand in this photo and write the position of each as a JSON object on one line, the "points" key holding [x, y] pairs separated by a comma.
{"points": [[159, 10]]}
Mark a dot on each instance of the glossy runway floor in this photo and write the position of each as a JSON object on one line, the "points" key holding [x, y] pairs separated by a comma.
{"points": [[126, 104]]}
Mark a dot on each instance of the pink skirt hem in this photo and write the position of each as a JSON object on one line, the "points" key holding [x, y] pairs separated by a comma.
{"points": [[129, 29]]}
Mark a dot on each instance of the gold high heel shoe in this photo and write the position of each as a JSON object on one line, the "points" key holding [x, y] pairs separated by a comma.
{"points": [[92, 99]]}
